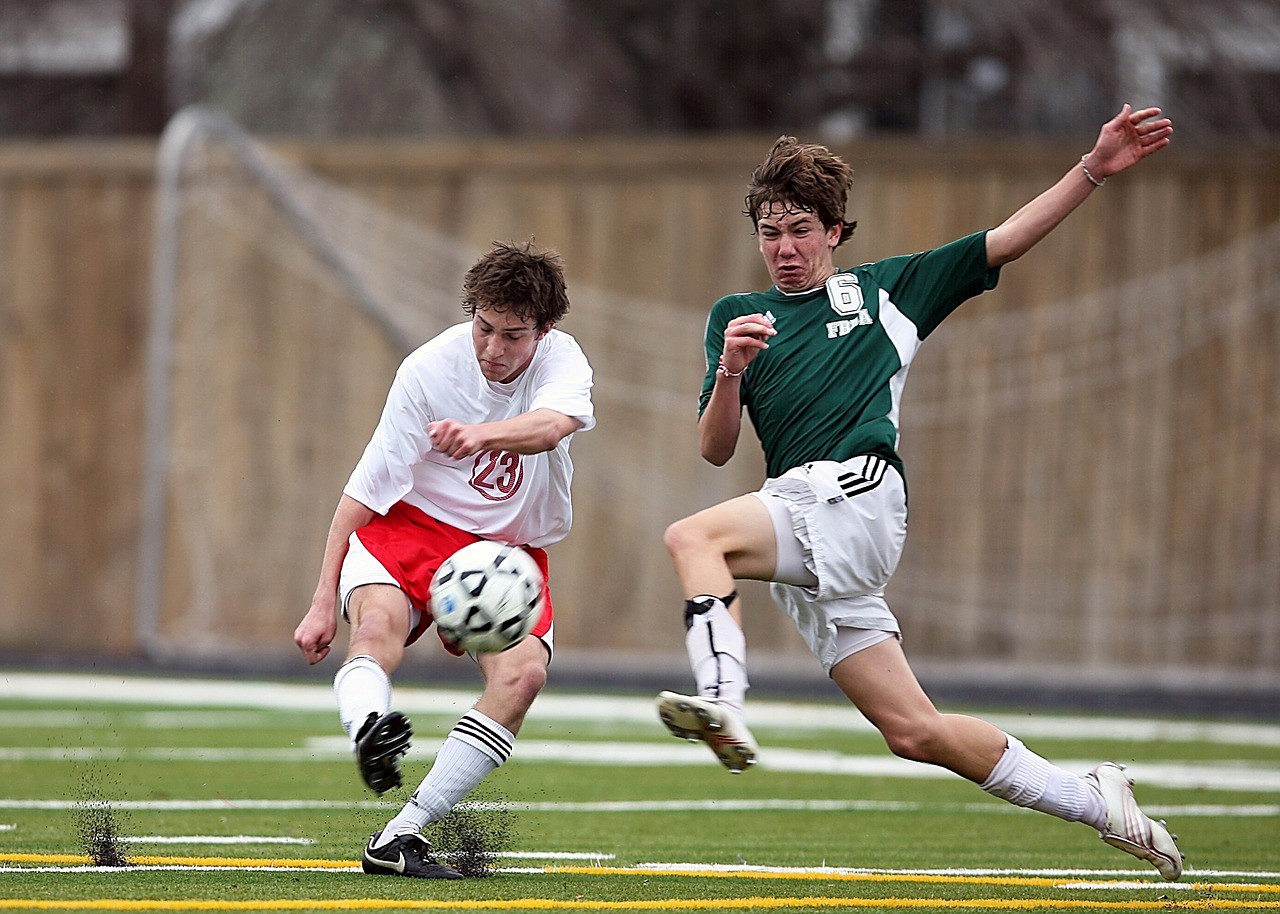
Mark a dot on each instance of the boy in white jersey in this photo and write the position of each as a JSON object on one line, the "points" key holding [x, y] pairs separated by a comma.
{"points": [[819, 362], [473, 444]]}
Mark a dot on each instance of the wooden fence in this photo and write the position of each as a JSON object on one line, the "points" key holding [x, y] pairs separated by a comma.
{"points": [[1093, 448]]}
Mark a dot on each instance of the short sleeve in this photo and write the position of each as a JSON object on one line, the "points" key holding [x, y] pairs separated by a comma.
{"points": [[928, 286], [384, 473], [564, 381]]}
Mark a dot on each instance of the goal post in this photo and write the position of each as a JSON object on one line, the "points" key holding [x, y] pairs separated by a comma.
{"points": [[214, 183]]}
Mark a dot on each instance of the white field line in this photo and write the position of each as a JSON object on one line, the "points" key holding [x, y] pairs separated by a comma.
{"points": [[597, 858], [1204, 810], [213, 839], [1125, 886], [452, 703], [193, 719], [1192, 879], [1190, 874], [1228, 775], [553, 855], [1045, 873]]}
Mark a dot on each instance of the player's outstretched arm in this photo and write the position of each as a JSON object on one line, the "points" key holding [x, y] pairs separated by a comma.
{"points": [[1125, 140], [318, 627]]}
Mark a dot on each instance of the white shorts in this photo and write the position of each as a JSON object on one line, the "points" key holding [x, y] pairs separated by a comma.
{"points": [[848, 523], [360, 568]]}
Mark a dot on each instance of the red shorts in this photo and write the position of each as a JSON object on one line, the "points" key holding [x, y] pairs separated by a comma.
{"points": [[412, 545]]}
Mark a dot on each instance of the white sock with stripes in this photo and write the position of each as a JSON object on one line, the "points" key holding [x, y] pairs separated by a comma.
{"points": [[475, 746], [1025, 779], [717, 651], [361, 687]]}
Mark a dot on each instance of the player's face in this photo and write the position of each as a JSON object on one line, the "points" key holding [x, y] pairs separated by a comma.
{"points": [[796, 248], [504, 344]]}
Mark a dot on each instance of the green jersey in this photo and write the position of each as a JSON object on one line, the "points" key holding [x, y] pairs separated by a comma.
{"points": [[830, 384]]}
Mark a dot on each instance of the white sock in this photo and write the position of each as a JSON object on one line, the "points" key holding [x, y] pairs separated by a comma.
{"points": [[475, 746], [717, 651], [1025, 779], [361, 687]]}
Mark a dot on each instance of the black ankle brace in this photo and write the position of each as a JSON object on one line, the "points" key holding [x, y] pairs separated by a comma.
{"points": [[703, 603]]}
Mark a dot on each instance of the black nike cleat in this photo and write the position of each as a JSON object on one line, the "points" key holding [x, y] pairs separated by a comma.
{"points": [[406, 855], [380, 744]]}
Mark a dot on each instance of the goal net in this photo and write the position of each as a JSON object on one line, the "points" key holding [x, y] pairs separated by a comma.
{"points": [[1125, 442], [282, 305], [1095, 481]]}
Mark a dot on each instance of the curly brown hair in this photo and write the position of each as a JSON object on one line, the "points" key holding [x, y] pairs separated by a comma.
{"points": [[519, 279], [802, 177]]}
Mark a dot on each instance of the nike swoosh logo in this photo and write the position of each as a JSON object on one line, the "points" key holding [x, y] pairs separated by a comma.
{"points": [[396, 866]]}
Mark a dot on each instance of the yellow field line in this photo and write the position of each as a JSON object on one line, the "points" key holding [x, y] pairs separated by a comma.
{"points": [[666, 904], [283, 863], [673, 904]]}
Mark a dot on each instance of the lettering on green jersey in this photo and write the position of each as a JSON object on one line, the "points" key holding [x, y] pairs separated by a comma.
{"points": [[845, 295]]}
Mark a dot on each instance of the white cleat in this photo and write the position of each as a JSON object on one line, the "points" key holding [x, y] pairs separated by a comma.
{"points": [[1129, 828], [705, 720]]}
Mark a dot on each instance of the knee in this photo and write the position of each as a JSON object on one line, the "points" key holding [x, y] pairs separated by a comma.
{"points": [[684, 536], [380, 634], [379, 616], [916, 741], [520, 682]]}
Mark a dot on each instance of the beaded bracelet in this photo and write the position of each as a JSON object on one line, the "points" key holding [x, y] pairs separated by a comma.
{"points": [[727, 373], [1088, 174]]}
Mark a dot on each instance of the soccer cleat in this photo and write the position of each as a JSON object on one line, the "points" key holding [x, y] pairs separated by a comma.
{"points": [[705, 720], [380, 744], [405, 855], [1129, 828]]}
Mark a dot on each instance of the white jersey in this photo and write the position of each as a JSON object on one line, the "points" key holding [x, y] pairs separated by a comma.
{"points": [[513, 498]]}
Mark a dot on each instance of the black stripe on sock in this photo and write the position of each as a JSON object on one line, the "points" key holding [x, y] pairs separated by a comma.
{"points": [[715, 655], [472, 728]]}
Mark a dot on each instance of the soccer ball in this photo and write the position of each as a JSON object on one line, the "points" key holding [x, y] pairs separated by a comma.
{"points": [[487, 596]]}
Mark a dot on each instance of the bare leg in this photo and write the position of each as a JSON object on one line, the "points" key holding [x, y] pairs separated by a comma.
{"points": [[379, 615], [710, 551], [881, 684], [482, 740], [513, 679], [729, 541], [879, 681]]}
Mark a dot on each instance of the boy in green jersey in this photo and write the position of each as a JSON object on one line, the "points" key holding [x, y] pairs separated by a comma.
{"points": [[819, 362]]}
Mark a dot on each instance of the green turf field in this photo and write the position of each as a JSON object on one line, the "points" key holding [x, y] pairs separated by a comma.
{"points": [[241, 796]]}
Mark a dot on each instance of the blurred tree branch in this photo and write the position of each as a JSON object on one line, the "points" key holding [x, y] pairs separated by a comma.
{"points": [[937, 68]]}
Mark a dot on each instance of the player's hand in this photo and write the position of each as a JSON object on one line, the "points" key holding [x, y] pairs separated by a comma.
{"points": [[316, 631], [1127, 139], [455, 439], [745, 337]]}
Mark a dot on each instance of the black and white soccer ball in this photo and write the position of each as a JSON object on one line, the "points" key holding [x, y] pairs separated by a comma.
{"points": [[487, 597]]}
